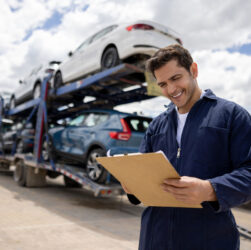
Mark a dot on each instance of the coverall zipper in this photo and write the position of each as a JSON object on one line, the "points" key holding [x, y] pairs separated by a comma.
{"points": [[178, 152]]}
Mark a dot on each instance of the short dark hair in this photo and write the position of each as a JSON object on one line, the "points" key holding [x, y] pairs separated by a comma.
{"points": [[164, 55]]}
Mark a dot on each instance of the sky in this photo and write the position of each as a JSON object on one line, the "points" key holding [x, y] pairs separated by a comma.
{"points": [[217, 33]]}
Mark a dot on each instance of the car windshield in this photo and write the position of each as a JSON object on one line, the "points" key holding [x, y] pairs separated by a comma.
{"points": [[138, 124]]}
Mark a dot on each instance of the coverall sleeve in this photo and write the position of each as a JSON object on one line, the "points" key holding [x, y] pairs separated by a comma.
{"points": [[234, 188], [145, 147]]}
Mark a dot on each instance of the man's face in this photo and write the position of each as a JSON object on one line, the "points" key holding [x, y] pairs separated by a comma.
{"points": [[179, 85]]}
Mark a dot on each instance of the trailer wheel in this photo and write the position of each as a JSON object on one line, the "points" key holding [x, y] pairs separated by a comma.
{"points": [[20, 173], [96, 171], [71, 183], [110, 58], [52, 174]]}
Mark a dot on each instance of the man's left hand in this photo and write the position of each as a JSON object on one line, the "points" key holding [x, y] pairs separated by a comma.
{"points": [[190, 190]]}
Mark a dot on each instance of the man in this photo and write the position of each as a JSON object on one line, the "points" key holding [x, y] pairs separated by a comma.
{"points": [[208, 141]]}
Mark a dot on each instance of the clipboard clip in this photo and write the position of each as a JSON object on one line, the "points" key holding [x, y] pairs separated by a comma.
{"points": [[108, 154]]}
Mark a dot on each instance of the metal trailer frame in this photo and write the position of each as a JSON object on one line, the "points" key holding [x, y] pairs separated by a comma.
{"points": [[109, 88]]}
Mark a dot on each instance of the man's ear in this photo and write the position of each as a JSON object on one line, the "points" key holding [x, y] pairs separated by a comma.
{"points": [[194, 70]]}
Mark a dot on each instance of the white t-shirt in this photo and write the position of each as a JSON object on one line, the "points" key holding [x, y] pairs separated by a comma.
{"points": [[182, 120], [181, 123]]}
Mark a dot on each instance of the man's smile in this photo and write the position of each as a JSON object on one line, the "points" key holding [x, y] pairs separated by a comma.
{"points": [[178, 95]]}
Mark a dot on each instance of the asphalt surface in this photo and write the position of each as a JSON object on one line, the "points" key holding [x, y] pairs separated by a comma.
{"points": [[55, 217]]}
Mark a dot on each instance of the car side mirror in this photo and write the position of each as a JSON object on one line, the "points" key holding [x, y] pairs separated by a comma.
{"points": [[70, 54]]}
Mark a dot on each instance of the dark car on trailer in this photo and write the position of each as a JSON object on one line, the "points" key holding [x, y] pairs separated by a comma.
{"points": [[16, 137]]}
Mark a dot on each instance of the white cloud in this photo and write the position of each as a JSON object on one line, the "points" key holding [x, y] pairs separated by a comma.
{"points": [[231, 84], [207, 24]]}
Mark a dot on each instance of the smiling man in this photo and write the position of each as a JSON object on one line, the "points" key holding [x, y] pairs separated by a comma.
{"points": [[208, 141]]}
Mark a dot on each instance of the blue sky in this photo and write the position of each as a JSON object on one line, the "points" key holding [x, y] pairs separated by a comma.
{"points": [[243, 49], [34, 32], [52, 22]]}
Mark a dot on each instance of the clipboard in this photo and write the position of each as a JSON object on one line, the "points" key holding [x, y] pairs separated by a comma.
{"points": [[143, 175]]}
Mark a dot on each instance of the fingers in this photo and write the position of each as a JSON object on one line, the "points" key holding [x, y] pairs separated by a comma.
{"points": [[181, 194], [188, 189], [175, 190], [184, 181]]}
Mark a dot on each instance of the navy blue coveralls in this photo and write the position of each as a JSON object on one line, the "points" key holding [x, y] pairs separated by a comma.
{"points": [[215, 145]]}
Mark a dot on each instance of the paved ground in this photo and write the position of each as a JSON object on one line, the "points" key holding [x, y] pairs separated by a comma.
{"points": [[56, 217]]}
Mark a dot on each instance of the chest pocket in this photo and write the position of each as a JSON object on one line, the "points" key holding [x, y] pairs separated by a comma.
{"points": [[212, 145]]}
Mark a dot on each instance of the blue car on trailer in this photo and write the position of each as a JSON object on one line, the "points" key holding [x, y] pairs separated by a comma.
{"points": [[91, 134]]}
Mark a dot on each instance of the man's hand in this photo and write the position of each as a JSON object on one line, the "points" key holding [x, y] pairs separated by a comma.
{"points": [[190, 190], [125, 188]]}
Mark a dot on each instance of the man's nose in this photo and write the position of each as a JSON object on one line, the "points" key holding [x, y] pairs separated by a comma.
{"points": [[172, 89]]}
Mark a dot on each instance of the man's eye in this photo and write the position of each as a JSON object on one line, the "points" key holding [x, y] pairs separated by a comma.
{"points": [[176, 78], [162, 85]]}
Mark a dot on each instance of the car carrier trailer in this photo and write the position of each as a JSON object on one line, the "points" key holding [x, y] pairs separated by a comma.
{"points": [[122, 84]]}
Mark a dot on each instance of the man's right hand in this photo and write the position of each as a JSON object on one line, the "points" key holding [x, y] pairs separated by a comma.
{"points": [[125, 188]]}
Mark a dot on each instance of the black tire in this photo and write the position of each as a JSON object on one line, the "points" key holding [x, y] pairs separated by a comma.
{"points": [[20, 173], [96, 171], [71, 183], [110, 58], [52, 174], [12, 104], [20, 147], [37, 91], [58, 80]]}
